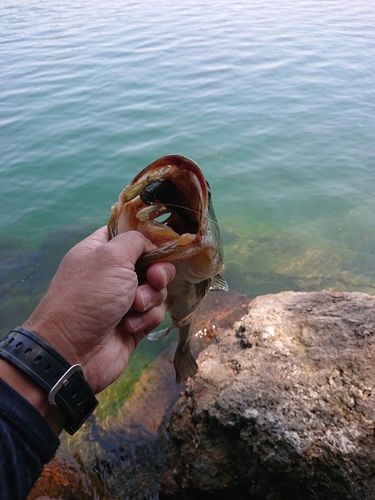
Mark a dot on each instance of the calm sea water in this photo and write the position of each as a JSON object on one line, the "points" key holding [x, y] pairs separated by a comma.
{"points": [[275, 101]]}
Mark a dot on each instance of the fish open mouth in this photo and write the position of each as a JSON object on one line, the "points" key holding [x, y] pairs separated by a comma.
{"points": [[168, 203], [168, 207]]}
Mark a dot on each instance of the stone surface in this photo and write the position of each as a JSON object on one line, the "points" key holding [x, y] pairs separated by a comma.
{"points": [[283, 405]]}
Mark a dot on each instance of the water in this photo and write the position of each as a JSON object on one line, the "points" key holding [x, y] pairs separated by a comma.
{"points": [[274, 100]]}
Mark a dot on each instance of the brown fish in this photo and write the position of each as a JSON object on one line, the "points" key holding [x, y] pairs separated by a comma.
{"points": [[169, 202]]}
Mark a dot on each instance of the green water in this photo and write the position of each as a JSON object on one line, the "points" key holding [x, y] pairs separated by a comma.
{"points": [[275, 102]]}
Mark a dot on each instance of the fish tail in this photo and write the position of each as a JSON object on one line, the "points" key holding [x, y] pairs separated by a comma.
{"points": [[184, 363]]}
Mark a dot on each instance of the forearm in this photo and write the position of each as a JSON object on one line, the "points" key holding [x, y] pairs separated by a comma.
{"points": [[63, 382]]}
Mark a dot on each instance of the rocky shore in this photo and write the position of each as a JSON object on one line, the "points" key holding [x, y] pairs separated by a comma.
{"points": [[282, 408], [283, 405]]}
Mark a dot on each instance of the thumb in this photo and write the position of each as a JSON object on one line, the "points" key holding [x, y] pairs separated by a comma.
{"points": [[97, 238], [131, 245]]}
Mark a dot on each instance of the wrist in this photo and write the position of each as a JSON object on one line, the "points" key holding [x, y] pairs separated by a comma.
{"points": [[63, 385], [53, 333]]}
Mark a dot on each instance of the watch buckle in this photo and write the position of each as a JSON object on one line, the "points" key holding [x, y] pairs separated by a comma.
{"points": [[63, 382]]}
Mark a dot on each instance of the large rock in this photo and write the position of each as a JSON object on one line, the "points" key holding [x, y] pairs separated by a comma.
{"points": [[283, 406]]}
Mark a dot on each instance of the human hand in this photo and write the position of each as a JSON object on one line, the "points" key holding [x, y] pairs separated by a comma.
{"points": [[95, 312]]}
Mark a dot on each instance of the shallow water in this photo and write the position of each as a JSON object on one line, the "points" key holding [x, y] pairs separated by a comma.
{"points": [[275, 101]]}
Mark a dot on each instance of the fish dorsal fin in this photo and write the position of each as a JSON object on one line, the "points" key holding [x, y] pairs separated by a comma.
{"points": [[159, 334], [219, 283]]}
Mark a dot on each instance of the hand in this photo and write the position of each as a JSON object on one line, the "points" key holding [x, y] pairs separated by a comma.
{"points": [[95, 312]]}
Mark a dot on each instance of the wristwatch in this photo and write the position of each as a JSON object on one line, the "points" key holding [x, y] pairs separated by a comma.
{"points": [[64, 383]]}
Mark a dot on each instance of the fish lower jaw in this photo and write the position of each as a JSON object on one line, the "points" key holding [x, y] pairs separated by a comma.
{"points": [[157, 229]]}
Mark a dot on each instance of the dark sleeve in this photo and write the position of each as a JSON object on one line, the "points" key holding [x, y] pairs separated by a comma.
{"points": [[26, 444]]}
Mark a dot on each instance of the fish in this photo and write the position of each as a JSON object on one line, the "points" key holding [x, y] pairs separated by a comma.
{"points": [[170, 203]]}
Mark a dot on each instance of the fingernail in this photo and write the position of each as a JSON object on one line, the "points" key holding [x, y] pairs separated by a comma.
{"points": [[146, 298], [135, 322]]}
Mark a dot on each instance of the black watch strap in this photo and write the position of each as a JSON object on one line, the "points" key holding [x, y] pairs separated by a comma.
{"points": [[65, 384]]}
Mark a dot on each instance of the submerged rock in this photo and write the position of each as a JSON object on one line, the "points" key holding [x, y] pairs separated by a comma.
{"points": [[283, 405]]}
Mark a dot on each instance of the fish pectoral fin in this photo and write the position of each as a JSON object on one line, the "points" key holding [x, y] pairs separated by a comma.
{"points": [[219, 283], [159, 334]]}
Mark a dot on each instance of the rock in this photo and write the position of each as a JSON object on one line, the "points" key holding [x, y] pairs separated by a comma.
{"points": [[283, 405]]}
